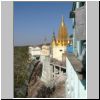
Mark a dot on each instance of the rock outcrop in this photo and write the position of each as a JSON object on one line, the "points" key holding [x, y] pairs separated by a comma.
{"points": [[36, 87]]}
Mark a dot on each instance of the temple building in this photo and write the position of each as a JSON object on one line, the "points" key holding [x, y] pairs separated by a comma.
{"points": [[59, 44]]}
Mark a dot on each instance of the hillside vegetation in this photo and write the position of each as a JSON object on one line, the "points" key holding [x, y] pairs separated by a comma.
{"points": [[20, 71]]}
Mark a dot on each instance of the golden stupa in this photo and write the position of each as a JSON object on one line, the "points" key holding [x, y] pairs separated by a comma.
{"points": [[62, 39]]}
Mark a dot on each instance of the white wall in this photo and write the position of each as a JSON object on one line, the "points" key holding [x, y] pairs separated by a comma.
{"points": [[45, 50], [34, 51], [74, 87], [57, 54], [46, 71]]}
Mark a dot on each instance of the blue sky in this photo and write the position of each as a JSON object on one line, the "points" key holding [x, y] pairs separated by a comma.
{"points": [[35, 21]]}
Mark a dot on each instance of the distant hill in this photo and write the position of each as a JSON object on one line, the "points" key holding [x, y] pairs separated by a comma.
{"points": [[34, 45], [40, 45]]}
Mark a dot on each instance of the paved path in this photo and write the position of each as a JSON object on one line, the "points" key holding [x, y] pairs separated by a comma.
{"points": [[59, 91]]}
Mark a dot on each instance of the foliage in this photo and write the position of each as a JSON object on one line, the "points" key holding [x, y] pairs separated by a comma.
{"points": [[20, 71]]}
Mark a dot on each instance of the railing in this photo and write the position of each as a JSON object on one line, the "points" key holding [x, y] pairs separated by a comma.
{"points": [[53, 64], [74, 86], [51, 71]]}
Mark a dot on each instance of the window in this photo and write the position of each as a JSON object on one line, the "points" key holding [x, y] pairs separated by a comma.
{"points": [[72, 14], [81, 4], [74, 6], [60, 50]]}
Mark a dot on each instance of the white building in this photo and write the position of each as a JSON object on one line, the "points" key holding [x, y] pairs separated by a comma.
{"points": [[34, 52], [58, 52], [39, 51], [45, 50], [59, 44]]}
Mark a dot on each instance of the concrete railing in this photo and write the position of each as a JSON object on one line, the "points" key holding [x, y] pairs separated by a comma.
{"points": [[50, 73], [46, 71], [74, 86]]}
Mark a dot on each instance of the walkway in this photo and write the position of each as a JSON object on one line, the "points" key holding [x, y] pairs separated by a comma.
{"points": [[59, 90]]}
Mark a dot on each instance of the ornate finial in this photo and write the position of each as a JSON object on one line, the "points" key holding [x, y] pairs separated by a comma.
{"points": [[62, 18], [62, 23]]}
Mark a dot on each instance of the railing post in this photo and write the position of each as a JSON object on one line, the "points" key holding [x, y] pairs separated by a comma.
{"points": [[59, 70], [54, 71]]}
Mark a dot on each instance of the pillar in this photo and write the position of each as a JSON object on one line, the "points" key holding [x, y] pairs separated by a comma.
{"points": [[79, 48]]}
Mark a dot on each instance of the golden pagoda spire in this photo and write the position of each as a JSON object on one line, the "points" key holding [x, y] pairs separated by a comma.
{"points": [[62, 34]]}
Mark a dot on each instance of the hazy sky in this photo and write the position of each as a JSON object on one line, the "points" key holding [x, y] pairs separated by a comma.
{"points": [[35, 21]]}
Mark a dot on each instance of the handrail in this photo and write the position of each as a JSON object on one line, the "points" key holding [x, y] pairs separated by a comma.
{"points": [[58, 65]]}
